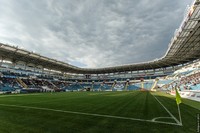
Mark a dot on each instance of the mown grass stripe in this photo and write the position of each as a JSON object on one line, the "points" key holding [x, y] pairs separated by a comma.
{"points": [[90, 114]]}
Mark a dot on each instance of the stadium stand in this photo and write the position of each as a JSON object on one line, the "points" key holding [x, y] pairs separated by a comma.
{"points": [[49, 75]]}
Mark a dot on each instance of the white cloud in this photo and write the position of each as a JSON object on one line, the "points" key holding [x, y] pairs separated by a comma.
{"points": [[92, 33]]}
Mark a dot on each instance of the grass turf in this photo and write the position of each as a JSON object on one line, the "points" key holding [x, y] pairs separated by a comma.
{"points": [[23, 118]]}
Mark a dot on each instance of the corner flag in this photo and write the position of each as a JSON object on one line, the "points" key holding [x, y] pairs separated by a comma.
{"points": [[178, 101], [178, 97]]}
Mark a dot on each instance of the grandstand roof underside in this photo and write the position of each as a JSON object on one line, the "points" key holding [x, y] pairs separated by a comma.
{"points": [[185, 48]]}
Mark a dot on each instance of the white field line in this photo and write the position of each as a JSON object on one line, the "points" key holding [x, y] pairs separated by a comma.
{"points": [[89, 114], [172, 97], [16, 95], [154, 119], [168, 111]]}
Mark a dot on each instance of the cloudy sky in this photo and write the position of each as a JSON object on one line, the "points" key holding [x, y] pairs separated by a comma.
{"points": [[92, 33]]}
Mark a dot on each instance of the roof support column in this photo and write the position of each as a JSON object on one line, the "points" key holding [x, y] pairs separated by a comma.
{"points": [[43, 70], [1, 61], [25, 65], [34, 68], [49, 70], [173, 68], [13, 63]]}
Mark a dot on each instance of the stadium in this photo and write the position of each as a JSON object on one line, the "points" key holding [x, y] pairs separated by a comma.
{"points": [[39, 94]]}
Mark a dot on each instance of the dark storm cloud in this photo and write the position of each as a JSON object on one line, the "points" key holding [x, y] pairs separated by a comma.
{"points": [[92, 33]]}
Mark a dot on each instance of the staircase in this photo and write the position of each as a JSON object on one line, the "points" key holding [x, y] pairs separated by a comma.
{"points": [[142, 85], [126, 86], [22, 83], [55, 87], [114, 83], [154, 84]]}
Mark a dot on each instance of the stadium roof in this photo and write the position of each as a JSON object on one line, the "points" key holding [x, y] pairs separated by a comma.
{"points": [[183, 48]]}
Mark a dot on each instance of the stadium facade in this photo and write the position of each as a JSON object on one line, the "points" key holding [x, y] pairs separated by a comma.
{"points": [[184, 48]]}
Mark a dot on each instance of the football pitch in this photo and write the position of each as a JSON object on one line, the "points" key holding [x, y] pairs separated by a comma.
{"points": [[96, 112]]}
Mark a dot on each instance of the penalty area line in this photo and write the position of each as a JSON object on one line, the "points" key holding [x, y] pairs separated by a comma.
{"points": [[90, 114]]}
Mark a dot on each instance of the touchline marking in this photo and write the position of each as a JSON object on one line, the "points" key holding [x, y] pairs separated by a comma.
{"points": [[168, 111], [17, 95], [90, 114]]}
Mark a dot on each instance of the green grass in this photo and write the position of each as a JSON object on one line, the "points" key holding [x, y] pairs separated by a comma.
{"points": [[23, 118]]}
